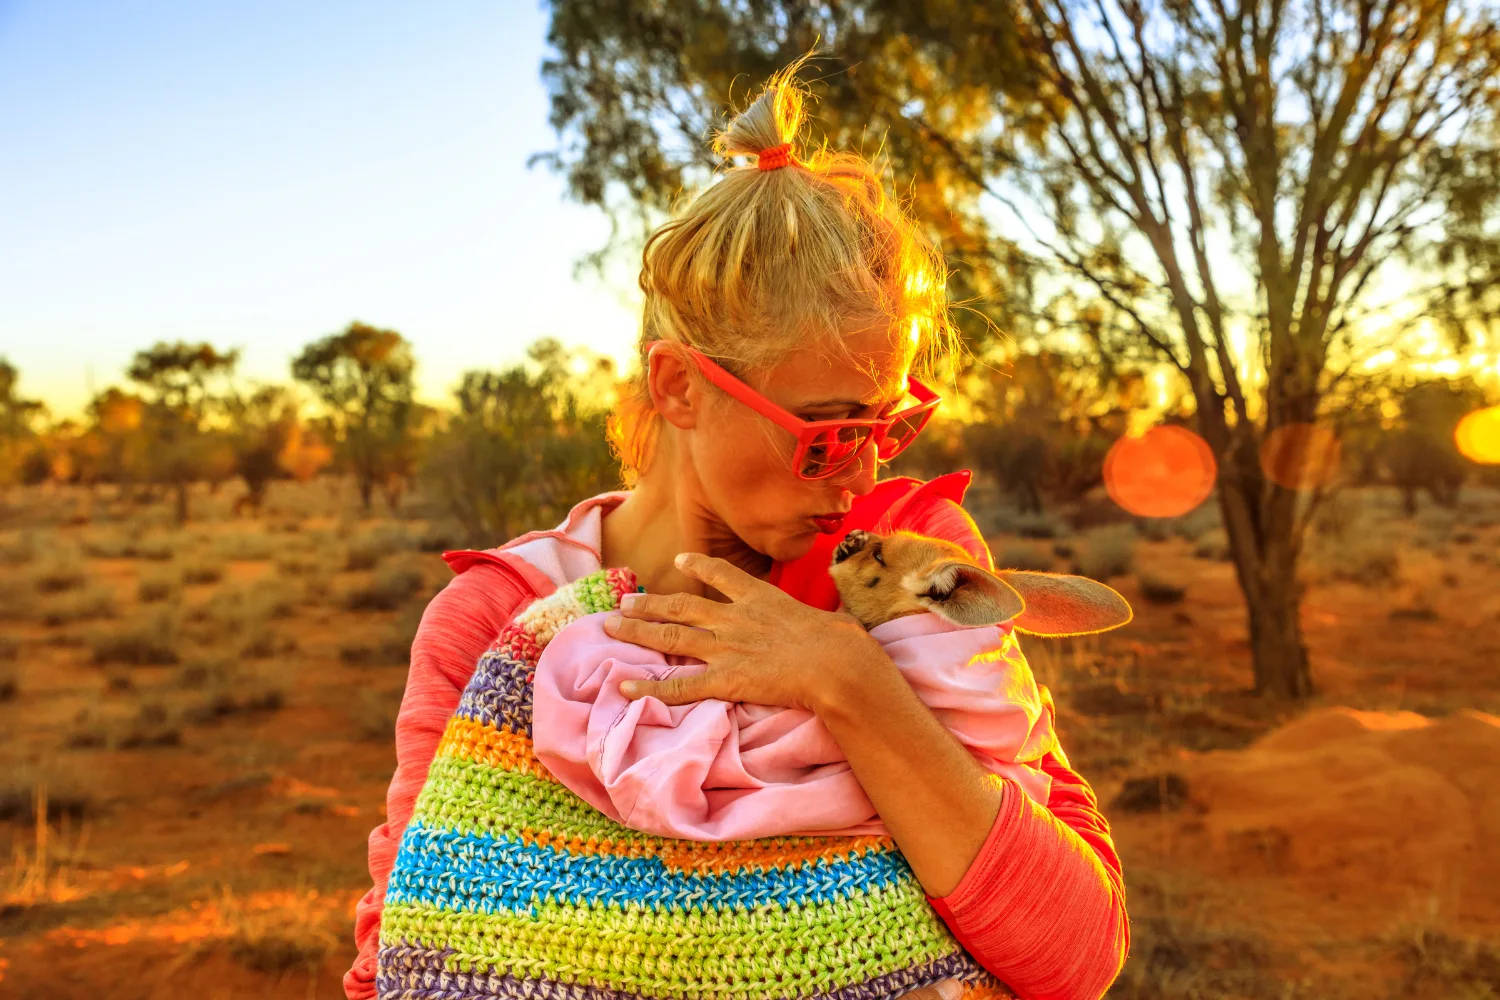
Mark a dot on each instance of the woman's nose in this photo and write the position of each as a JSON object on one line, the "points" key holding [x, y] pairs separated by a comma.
{"points": [[859, 477]]}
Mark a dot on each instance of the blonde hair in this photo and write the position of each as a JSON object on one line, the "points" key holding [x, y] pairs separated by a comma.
{"points": [[763, 262]]}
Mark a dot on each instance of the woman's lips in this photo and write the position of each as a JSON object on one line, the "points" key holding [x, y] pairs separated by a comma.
{"points": [[828, 523]]}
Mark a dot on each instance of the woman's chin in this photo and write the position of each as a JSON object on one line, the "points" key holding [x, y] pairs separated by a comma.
{"points": [[794, 546]]}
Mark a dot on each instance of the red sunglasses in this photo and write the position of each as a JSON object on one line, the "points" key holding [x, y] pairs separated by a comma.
{"points": [[825, 447]]}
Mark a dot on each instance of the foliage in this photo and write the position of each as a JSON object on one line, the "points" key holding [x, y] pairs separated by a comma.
{"points": [[525, 444], [180, 383], [18, 429], [271, 441], [363, 377], [1227, 190]]}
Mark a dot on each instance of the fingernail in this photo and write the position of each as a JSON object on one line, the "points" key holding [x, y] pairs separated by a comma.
{"points": [[612, 622], [628, 601], [949, 989], [628, 688], [679, 559]]}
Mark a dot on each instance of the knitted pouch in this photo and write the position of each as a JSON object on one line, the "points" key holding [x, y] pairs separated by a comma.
{"points": [[509, 885]]}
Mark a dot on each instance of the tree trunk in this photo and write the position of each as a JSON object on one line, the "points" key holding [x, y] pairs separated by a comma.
{"points": [[366, 491], [182, 503], [1266, 563], [1278, 653]]}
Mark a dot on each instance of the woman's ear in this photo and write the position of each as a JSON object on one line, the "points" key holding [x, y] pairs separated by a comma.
{"points": [[1058, 605], [673, 391], [966, 595]]}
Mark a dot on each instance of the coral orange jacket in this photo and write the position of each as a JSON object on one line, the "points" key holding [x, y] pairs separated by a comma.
{"points": [[1042, 905]]}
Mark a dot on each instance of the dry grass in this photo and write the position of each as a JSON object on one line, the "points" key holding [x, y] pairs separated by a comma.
{"points": [[59, 570], [91, 603], [388, 590], [155, 587], [151, 641], [1022, 556], [1106, 552]]}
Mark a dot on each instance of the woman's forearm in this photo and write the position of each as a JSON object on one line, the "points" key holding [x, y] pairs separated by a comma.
{"points": [[930, 792]]}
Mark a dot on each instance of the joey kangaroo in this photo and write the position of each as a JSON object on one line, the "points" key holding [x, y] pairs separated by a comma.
{"points": [[882, 577]]}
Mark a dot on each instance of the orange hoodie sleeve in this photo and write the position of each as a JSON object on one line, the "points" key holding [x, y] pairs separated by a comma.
{"points": [[1042, 906], [457, 627]]}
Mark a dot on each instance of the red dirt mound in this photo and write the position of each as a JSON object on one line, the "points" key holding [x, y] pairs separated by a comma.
{"points": [[1393, 808]]}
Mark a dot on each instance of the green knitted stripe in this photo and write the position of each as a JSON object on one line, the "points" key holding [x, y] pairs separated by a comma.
{"points": [[473, 798], [829, 947], [593, 592]]}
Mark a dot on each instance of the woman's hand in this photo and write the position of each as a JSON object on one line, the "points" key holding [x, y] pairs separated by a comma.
{"points": [[763, 646]]}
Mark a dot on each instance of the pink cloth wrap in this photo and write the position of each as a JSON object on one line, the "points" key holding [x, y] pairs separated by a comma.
{"points": [[714, 770]]}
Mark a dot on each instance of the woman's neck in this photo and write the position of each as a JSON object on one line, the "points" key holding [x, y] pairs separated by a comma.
{"points": [[647, 529]]}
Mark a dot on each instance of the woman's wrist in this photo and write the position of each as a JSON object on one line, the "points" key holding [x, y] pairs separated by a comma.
{"points": [[841, 690]]}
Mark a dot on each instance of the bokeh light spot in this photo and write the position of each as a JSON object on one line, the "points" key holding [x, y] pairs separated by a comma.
{"points": [[1478, 436], [1164, 472], [1300, 456]]}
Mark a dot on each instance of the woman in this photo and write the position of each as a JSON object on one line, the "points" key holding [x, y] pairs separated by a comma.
{"points": [[790, 291]]}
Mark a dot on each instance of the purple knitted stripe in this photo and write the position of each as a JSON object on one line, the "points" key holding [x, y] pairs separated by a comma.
{"points": [[414, 973], [499, 694]]}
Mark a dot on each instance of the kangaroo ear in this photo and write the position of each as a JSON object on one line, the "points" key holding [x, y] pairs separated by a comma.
{"points": [[965, 594], [1058, 605]]}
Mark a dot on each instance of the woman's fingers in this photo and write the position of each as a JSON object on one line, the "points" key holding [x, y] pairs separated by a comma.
{"points": [[720, 574], [948, 989], [664, 637], [690, 609]]}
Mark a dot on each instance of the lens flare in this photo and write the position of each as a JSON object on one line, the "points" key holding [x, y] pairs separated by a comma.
{"points": [[1300, 456], [1164, 472], [1478, 436]]}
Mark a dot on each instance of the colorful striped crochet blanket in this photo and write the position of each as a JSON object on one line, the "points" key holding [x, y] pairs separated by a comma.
{"points": [[509, 885]]}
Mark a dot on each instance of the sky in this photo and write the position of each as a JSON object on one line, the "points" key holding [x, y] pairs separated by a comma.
{"points": [[259, 175]]}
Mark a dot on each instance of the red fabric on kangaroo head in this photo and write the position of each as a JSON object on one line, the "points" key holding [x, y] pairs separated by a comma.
{"points": [[807, 578]]}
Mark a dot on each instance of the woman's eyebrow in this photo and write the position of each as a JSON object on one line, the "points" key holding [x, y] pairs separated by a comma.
{"points": [[818, 404]]}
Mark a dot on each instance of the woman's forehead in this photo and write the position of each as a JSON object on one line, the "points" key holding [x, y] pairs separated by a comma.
{"points": [[825, 377]]}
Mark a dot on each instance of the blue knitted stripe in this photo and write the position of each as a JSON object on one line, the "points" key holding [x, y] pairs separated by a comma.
{"points": [[462, 871]]}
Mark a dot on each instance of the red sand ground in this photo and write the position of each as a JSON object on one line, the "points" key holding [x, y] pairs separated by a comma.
{"points": [[1324, 834]]}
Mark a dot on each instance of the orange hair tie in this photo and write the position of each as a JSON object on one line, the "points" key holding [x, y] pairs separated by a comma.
{"points": [[775, 157]]}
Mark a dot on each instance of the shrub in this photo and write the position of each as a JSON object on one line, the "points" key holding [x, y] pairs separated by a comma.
{"points": [[1213, 545], [1022, 556], [364, 553], [21, 549], [388, 591], [244, 547], [1107, 552], [373, 714], [1154, 529], [64, 570], [1157, 590], [93, 602], [151, 642], [204, 671], [202, 570], [157, 587], [1036, 526], [160, 549]]}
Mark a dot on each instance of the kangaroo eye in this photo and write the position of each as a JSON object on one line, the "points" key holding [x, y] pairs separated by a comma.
{"points": [[875, 552]]}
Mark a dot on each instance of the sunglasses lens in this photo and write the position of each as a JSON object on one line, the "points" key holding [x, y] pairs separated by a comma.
{"points": [[832, 450], [902, 433]]}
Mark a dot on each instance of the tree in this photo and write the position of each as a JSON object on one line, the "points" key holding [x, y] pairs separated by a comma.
{"points": [[1232, 190], [180, 383], [269, 442], [1420, 452], [525, 443], [18, 430], [363, 376]]}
